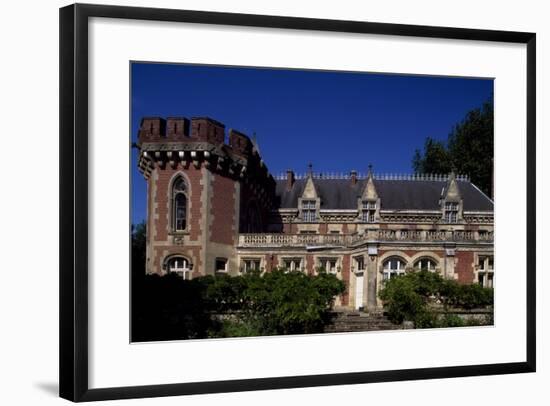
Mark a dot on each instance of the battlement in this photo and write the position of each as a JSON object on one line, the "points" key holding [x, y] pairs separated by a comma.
{"points": [[240, 143], [181, 129], [199, 141]]}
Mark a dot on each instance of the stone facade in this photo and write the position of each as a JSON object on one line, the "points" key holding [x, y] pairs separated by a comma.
{"points": [[214, 207]]}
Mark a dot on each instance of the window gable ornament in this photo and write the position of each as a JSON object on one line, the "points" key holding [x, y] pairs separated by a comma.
{"points": [[451, 201], [309, 203], [369, 202]]}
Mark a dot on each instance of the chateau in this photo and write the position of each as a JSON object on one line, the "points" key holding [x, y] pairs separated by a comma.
{"points": [[213, 206]]}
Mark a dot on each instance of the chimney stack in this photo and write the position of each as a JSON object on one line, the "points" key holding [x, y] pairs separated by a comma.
{"points": [[353, 177], [289, 179]]}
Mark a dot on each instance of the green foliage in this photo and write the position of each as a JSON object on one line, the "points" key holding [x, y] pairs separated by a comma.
{"points": [[466, 296], [434, 159], [253, 304], [401, 299], [412, 297], [281, 302], [234, 328], [468, 149], [451, 320], [139, 235]]}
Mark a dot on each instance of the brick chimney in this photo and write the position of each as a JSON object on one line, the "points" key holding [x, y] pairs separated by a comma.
{"points": [[353, 177], [289, 179]]}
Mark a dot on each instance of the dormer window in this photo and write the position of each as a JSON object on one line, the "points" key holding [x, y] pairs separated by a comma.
{"points": [[308, 211], [451, 212], [368, 211]]}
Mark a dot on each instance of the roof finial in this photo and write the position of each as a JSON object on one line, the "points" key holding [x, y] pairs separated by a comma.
{"points": [[369, 173], [310, 169]]}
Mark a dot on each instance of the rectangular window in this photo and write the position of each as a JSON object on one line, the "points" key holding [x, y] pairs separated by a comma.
{"points": [[369, 211], [251, 265], [360, 263], [308, 211], [451, 212], [329, 264], [292, 264], [485, 272], [221, 265]]}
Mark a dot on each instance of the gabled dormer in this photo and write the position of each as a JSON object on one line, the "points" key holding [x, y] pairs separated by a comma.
{"points": [[368, 204], [309, 202], [451, 201]]}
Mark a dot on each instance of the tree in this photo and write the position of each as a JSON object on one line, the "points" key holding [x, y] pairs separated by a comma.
{"points": [[139, 235], [468, 149]]}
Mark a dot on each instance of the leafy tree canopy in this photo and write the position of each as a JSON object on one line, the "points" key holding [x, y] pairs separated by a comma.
{"points": [[468, 149]]}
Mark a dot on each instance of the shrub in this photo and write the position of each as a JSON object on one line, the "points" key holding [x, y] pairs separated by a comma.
{"points": [[451, 320], [276, 302], [410, 297]]}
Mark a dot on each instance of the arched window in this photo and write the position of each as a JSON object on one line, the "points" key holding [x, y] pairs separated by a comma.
{"points": [[425, 264], [393, 266], [179, 205], [180, 265]]}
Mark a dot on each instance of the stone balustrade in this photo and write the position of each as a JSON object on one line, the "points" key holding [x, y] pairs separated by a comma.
{"points": [[383, 235]]}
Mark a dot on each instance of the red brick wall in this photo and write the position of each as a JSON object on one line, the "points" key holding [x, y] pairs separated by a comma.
{"points": [[290, 228], [269, 262], [193, 253], [464, 266], [222, 224], [162, 197], [310, 264]]}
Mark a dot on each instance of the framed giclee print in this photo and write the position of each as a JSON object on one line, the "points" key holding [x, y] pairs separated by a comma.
{"points": [[256, 202]]}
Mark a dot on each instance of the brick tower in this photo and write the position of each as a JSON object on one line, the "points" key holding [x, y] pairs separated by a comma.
{"points": [[202, 190]]}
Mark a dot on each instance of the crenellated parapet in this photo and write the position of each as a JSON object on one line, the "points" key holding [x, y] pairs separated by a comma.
{"points": [[199, 141]]}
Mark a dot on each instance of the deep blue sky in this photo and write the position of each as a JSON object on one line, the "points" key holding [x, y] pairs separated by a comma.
{"points": [[338, 121]]}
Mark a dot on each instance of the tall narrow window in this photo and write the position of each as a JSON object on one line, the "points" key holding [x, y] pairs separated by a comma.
{"points": [[179, 203], [308, 211], [369, 211], [451, 212], [359, 263]]}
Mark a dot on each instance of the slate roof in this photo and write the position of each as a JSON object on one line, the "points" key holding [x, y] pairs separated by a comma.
{"points": [[394, 194]]}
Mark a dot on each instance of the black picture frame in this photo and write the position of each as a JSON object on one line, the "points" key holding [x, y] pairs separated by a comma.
{"points": [[74, 201]]}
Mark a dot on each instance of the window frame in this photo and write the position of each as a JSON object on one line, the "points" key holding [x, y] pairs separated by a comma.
{"points": [[176, 192], [185, 269], [387, 272], [309, 210]]}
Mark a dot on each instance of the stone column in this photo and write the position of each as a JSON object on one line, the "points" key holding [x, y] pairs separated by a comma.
{"points": [[449, 265], [371, 278]]}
